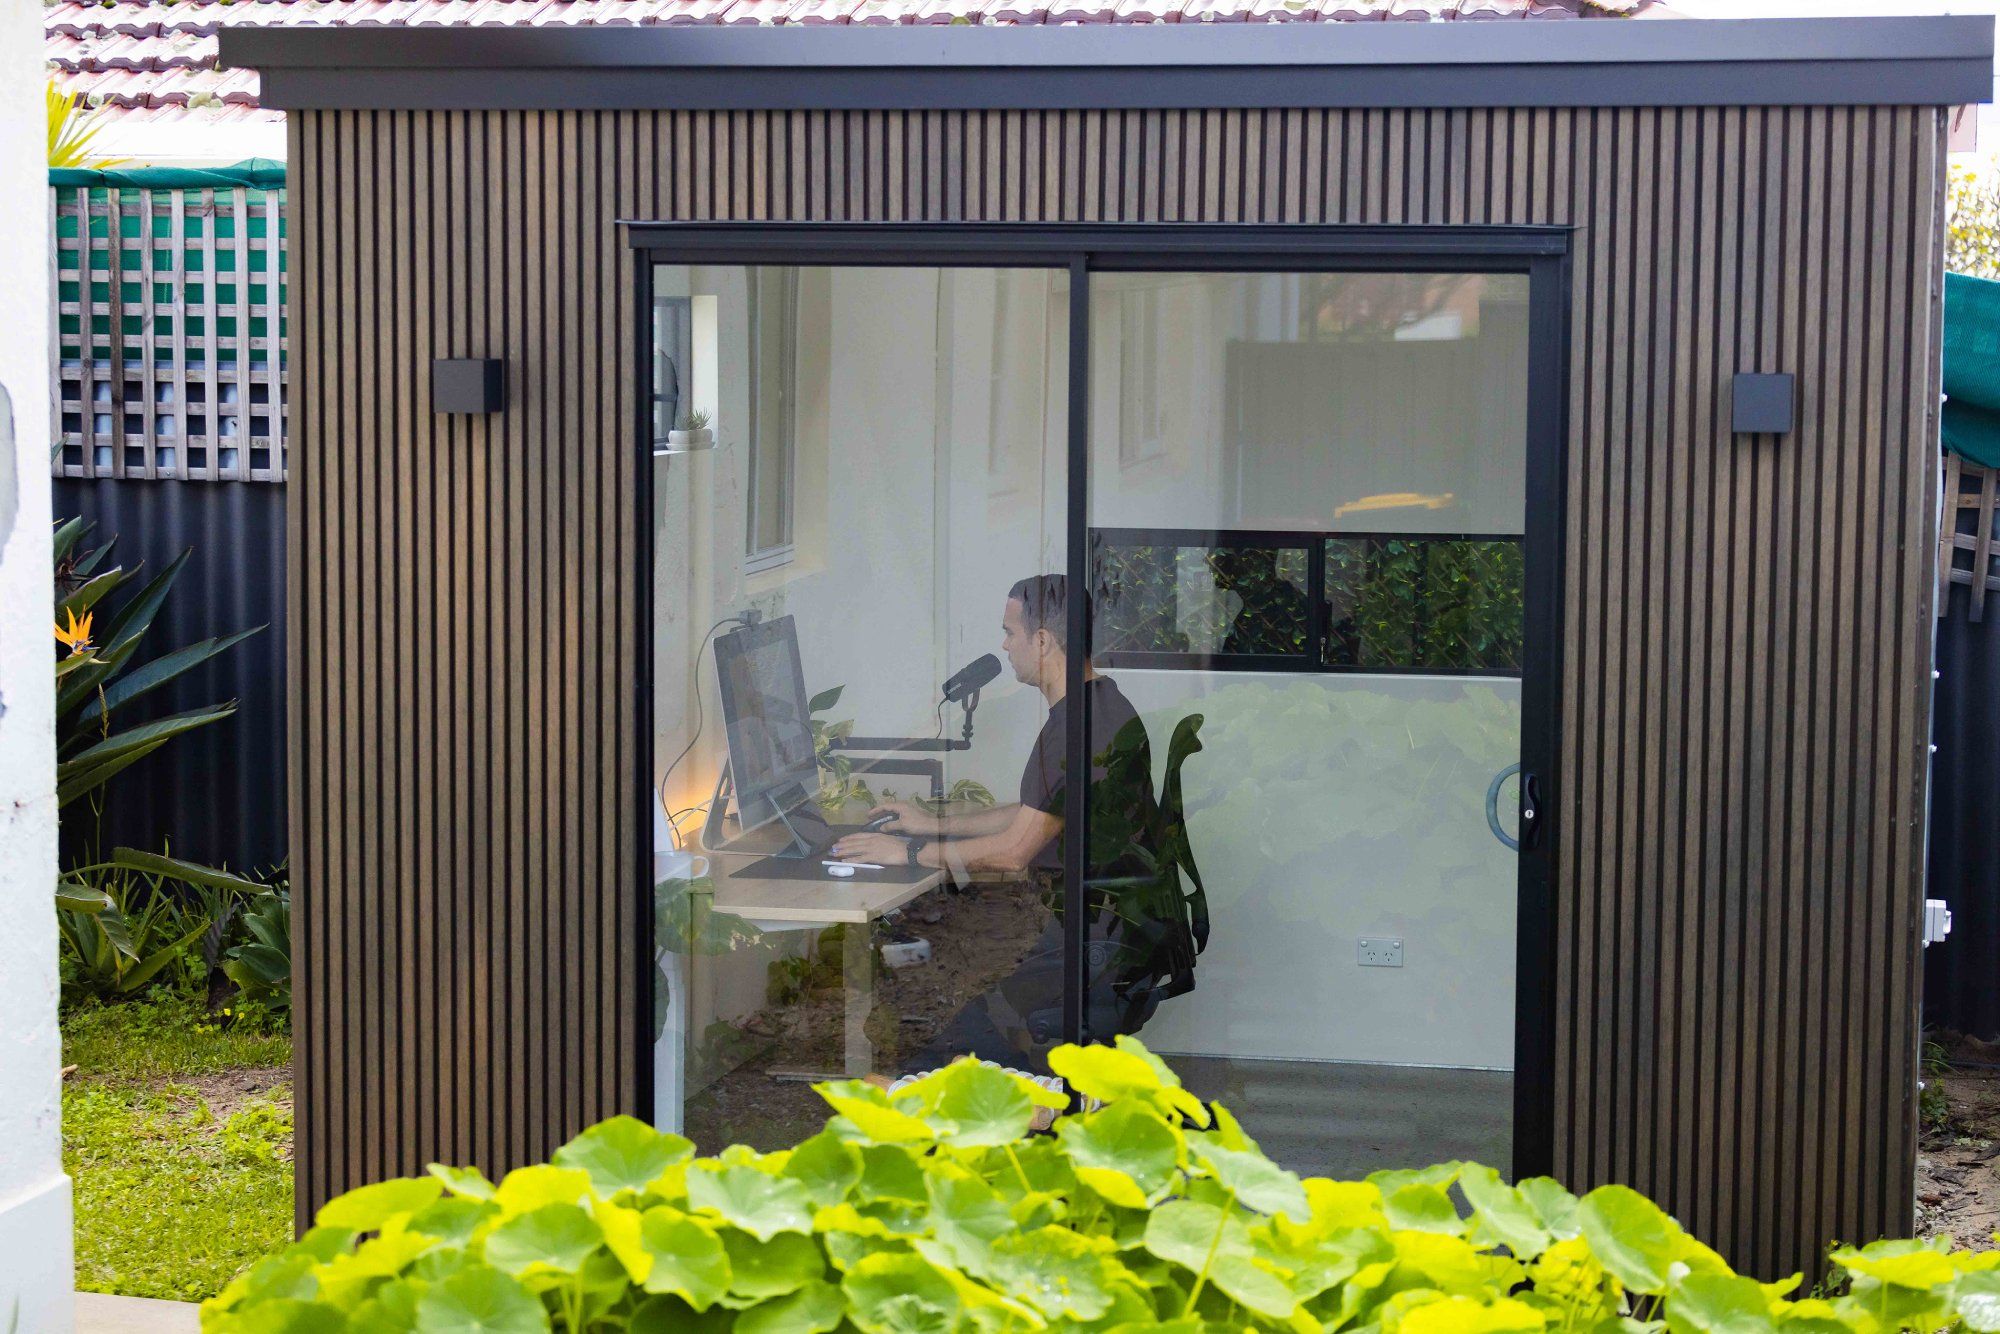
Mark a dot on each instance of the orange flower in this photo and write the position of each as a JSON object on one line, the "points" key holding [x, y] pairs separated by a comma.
{"points": [[76, 634]]}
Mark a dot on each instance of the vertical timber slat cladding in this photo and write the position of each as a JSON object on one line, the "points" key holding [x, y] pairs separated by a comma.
{"points": [[1746, 627]]}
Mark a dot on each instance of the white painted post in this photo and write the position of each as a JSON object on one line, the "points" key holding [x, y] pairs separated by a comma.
{"points": [[36, 1275]]}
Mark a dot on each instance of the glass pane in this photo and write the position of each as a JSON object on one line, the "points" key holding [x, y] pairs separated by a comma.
{"points": [[899, 432], [1307, 693]]}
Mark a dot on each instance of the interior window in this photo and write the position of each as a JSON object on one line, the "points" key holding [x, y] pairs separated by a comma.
{"points": [[774, 306]]}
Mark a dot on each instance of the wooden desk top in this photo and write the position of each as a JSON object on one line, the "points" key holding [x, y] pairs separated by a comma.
{"points": [[813, 900]]}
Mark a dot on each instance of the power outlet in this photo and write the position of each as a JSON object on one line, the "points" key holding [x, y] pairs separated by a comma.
{"points": [[1381, 952]]}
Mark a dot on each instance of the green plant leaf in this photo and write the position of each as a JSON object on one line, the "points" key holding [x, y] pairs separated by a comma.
{"points": [[976, 1105], [824, 700], [1555, 1207], [1421, 1207], [1718, 1304], [827, 1166], [1250, 1283], [966, 1216], [874, 1114], [1976, 1299], [747, 1197], [526, 1189], [466, 1181], [1253, 1179], [193, 873], [1127, 1152], [688, 1259], [1631, 1237], [774, 1268], [1188, 1233], [1501, 1214], [623, 1153], [814, 1309], [369, 1207], [1127, 1071], [452, 1219], [900, 1294], [480, 1300], [1057, 1272], [1902, 1263], [556, 1238]]}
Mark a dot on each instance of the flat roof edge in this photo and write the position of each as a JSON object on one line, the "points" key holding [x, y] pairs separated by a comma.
{"points": [[1939, 61]]}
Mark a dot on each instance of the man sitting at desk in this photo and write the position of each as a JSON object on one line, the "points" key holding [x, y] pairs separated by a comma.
{"points": [[1023, 840]]}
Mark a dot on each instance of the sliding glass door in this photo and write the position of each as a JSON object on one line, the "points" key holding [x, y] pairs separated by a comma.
{"points": [[1253, 530]]}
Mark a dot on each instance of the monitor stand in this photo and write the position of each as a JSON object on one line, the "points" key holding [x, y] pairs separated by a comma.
{"points": [[799, 829]]}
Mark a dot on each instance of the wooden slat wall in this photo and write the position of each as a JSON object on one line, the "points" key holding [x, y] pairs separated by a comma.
{"points": [[1748, 620]]}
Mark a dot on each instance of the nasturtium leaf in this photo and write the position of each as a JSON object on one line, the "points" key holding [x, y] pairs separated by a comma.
{"points": [[1631, 1237], [480, 1300], [526, 1189], [966, 1215], [623, 1153], [1191, 1324], [1125, 1072], [1391, 1180], [279, 1276], [1718, 1304], [1902, 1263], [872, 1112], [288, 1315], [1419, 1207], [827, 1166], [668, 1314], [438, 1265], [556, 1238], [369, 1207], [1127, 1152], [688, 1260], [1501, 1214], [323, 1243], [1466, 1315], [1976, 1298], [452, 1219], [1252, 1284], [814, 1309], [390, 1309], [974, 1105], [1338, 1205], [844, 1218], [774, 1268], [1176, 1097], [889, 1173], [621, 1228], [1554, 1206], [1253, 1179], [466, 1181], [1451, 1264], [900, 1294], [746, 1197], [1186, 1233], [1056, 1271]]}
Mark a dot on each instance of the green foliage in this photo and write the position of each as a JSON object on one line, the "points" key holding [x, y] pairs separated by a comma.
{"points": [[1972, 222], [176, 1136], [932, 1210], [119, 946], [260, 964]]}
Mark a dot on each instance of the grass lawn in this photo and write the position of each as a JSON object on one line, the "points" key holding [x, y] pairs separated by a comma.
{"points": [[178, 1137]]}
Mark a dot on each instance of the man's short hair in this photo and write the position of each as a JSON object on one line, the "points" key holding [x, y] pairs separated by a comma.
{"points": [[1044, 600]]}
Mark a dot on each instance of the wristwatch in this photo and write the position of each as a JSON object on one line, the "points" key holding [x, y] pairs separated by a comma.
{"points": [[915, 846]]}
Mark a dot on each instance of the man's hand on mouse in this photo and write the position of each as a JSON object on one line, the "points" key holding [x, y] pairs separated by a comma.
{"points": [[881, 849], [905, 818]]}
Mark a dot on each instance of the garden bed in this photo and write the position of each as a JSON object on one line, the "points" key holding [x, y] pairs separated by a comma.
{"points": [[1958, 1162]]}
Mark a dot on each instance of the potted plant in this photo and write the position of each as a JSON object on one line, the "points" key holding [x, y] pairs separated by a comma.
{"points": [[692, 433]]}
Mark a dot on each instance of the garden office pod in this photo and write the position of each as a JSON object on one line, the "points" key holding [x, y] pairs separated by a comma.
{"points": [[1459, 496]]}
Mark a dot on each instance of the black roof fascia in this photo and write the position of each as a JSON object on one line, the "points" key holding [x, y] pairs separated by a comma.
{"points": [[1934, 61]]}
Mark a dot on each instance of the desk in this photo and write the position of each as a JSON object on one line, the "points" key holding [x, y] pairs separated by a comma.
{"points": [[812, 902]]}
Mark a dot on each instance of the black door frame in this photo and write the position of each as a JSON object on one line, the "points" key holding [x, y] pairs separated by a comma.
{"points": [[1542, 253]]}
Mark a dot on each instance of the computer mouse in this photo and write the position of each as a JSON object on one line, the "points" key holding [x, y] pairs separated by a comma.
{"points": [[839, 870]]}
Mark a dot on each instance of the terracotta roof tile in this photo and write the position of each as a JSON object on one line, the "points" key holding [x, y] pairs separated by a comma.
{"points": [[155, 59]]}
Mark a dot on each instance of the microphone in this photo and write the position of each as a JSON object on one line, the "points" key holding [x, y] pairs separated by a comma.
{"points": [[970, 678]]}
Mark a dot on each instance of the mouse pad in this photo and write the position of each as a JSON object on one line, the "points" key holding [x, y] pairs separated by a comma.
{"points": [[809, 868]]}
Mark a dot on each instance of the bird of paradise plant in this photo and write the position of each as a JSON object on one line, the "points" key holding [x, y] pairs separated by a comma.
{"points": [[76, 635]]}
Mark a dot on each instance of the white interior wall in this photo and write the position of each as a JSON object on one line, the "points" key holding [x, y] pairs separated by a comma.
{"points": [[1324, 808]]}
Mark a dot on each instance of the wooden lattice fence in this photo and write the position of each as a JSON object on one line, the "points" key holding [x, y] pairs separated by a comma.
{"points": [[1966, 547], [169, 294]]}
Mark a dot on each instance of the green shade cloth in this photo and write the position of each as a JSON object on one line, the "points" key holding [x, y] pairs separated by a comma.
{"points": [[1971, 425], [258, 172]]}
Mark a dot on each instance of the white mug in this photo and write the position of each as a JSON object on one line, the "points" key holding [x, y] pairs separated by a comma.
{"points": [[675, 864]]}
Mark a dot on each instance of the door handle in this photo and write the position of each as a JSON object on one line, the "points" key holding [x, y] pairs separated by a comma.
{"points": [[1493, 807], [1531, 810]]}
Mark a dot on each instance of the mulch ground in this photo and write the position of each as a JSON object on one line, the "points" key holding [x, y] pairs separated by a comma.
{"points": [[1958, 1164]]}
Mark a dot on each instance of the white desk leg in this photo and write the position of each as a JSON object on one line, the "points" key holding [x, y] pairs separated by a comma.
{"points": [[857, 970]]}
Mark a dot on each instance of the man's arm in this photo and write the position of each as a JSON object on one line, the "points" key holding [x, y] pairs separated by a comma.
{"points": [[914, 819], [1010, 849]]}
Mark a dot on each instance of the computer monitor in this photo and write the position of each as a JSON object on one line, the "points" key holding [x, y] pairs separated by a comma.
{"points": [[768, 724]]}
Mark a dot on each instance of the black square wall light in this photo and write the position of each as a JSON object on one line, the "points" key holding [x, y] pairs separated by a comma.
{"points": [[1762, 404], [468, 384]]}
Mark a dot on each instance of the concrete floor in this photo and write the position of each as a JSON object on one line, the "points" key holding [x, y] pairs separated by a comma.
{"points": [[98, 1314], [1342, 1120]]}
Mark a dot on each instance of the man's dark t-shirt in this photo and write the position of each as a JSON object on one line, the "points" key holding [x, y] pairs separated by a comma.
{"points": [[1042, 778]]}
